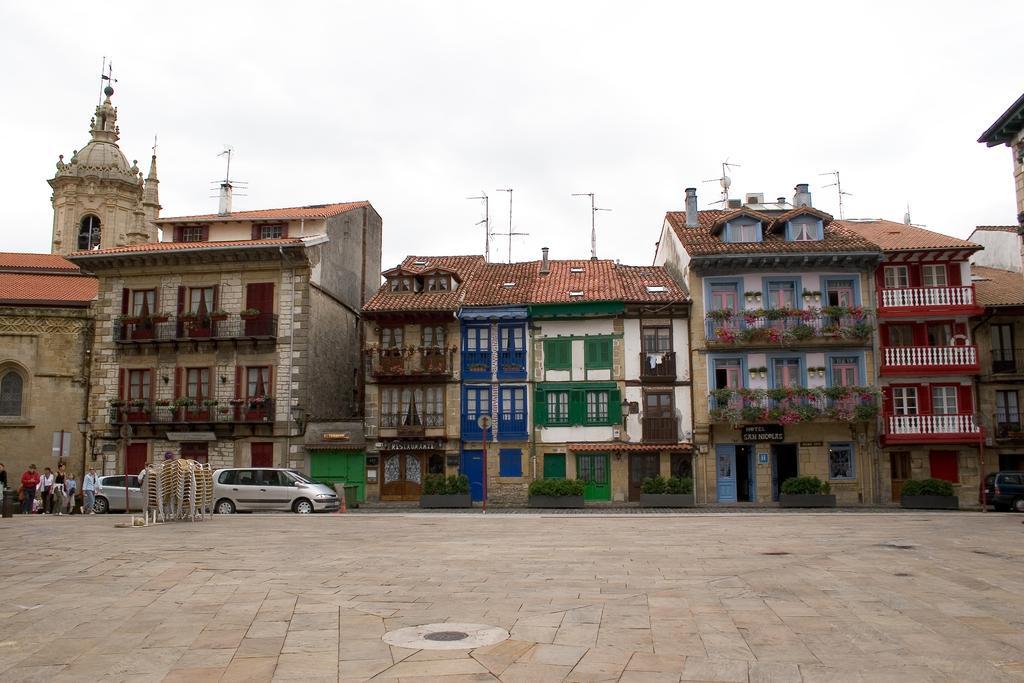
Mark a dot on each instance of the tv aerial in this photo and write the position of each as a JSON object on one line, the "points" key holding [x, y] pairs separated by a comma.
{"points": [[725, 182]]}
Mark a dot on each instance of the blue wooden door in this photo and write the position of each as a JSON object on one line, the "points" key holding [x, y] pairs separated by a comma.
{"points": [[473, 467], [725, 462]]}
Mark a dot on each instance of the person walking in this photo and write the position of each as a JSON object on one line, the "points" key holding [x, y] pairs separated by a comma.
{"points": [[57, 491], [29, 483], [89, 491], [70, 491], [3, 478], [46, 486]]}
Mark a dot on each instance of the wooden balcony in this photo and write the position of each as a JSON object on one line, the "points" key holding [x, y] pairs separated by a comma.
{"points": [[172, 329], [410, 364], [658, 367], [912, 302], [929, 360], [660, 429], [959, 428]]}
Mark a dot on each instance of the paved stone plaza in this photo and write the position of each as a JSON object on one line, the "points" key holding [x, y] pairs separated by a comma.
{"points": [[711, 597]]}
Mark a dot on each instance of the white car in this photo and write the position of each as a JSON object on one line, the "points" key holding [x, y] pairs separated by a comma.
{"points": [[110, 494]]}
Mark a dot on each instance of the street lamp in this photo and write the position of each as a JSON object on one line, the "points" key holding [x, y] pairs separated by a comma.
{"points": [[299, 417], [625, 412]]}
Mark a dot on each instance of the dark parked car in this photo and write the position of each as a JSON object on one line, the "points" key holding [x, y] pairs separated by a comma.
{"points": [[1005, 491]]}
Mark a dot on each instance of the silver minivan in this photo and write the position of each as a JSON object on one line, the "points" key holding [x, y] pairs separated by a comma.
{"points": [[254, 489], [110, 493]]}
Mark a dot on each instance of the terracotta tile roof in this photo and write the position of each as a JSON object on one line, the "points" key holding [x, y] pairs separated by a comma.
{"points": [[996, 287], [997, 228], [511, 284], [701, 241], [386, 301], [291, 213], [44, 289], [185, 246], [20, 261], [637, 279], [893, 236]]}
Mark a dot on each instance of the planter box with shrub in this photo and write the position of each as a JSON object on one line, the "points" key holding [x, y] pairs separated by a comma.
{"points": [[929, 494], [659, 492], [450, 492], [556, 493], [806, 492]]}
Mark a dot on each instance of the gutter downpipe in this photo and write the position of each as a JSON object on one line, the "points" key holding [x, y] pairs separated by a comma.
{"points": [[291, 354]]}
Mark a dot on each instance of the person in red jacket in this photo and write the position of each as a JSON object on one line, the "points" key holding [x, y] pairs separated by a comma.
{"points": [[29, 482]]}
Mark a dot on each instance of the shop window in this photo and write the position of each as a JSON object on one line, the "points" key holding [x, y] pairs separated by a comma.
{"points": [[840, 461]]}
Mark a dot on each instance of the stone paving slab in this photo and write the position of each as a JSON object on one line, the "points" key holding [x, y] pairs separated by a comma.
{"points": [[612, 596]]}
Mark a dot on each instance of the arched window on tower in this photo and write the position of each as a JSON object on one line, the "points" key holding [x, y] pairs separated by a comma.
{"points": [[89, 233], [10, 394]]}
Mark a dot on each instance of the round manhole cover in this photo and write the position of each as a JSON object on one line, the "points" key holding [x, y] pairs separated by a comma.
{"points": [[447, 635]]}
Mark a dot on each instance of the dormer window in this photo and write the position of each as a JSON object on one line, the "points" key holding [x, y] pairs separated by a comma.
{"points": [[743, 230], [401, 284], [804, 230], [438, 283]]}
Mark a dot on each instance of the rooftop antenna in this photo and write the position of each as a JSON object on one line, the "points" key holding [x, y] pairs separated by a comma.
{"points": [[839, 190], [725, 181], [510, 232], [487, 225], [227, 186], [106, 74], [593, 225], [906, 216]]}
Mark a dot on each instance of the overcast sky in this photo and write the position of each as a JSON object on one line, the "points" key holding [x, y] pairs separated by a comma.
{"points": [[416, 106]]}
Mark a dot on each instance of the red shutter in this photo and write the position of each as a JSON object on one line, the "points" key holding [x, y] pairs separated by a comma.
{"points": [[238, 382], [178, 237], [924, 399], [125, 298], [883, 335], [943, 465], [206, 233], [953, 274], [914, 275], [284, 230], [270, 382], [181, 300], [255, 231], [211, 390], [216, 297], [964, 400], [887, 407], [920, 335], [152, 384], [120, 384], [178, 389], [880, 277]]}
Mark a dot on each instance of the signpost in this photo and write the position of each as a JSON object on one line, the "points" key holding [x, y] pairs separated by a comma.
{"points": [[484, 422]]}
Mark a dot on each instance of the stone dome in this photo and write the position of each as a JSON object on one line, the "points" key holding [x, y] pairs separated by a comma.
{"points": [[102, 156]]}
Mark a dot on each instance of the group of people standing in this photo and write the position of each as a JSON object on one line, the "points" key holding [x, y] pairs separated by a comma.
{"points": [[53, 492]]}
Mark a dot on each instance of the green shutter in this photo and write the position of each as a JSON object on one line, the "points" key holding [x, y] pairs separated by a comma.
{"points": [[557, 354], [554, 466], [597, 353], [614, 406], [577, 407], [540, 407]]}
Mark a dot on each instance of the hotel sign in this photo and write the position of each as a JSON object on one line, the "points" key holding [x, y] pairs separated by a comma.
{"points": [[762, 433]]}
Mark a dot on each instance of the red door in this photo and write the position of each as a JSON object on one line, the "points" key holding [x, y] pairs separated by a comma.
{"points": [[260, 296], [135, 457], [943, 465], [262, 454], [195, 451]]}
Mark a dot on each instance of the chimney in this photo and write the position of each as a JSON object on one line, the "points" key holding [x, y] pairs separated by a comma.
{"points": [[691, 207], [225, 199], [781, 201], [802, 195], [544, 267]]}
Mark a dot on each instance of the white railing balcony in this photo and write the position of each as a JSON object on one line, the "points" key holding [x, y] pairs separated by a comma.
{"points": [[897, 359], [931, 427], [913, 297]]}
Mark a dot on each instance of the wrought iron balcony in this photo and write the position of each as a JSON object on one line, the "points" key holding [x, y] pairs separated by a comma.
{"points": [[235, 411], [156, 329], [929, 359], [1007, 362], [658, 367], [413, 362], [788, 327], [1009, 426]]}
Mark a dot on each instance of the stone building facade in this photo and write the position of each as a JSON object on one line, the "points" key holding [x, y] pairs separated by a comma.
{"points": [[46, 333], [222, 349], [1008, 130]]}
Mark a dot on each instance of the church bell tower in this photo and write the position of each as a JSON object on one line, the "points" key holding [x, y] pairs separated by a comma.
{"points": [[99, 199]]}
